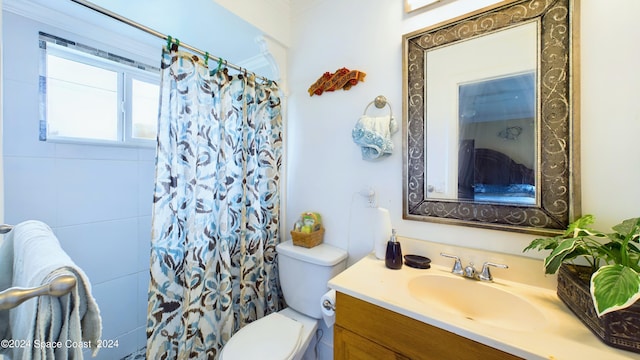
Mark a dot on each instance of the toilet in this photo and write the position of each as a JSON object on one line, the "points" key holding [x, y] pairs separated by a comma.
{"points": [[304, 273]]}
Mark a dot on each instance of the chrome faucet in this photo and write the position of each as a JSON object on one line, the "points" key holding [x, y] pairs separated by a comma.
{"points": [[470, 271]]}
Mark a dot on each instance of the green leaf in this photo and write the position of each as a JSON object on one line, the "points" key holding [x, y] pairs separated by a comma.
{"points": [[629, 226], [613, 253], [544, 244], [580, 224], [614, 287], [558, 255], [633, 248]]}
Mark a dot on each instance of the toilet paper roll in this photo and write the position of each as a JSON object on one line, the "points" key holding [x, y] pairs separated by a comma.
{"points": [[328, 306]]}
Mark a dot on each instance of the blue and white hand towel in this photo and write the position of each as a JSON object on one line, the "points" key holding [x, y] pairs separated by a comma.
{"points": [[373, 135]]}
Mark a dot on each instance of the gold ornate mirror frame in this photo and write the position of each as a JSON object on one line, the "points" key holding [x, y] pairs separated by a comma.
{"points": [[557, 142]]}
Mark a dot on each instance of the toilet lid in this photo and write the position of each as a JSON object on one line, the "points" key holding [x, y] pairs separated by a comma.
{"points": [[274, 337]]}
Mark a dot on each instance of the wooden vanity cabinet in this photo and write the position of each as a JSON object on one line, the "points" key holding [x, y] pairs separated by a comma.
{"points": [[366, 331]]}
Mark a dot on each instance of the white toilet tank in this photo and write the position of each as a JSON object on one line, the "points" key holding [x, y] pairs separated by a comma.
{"points": [[304, 274]]}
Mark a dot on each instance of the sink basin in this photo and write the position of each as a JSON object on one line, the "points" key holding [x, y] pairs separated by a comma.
{"points": [[477, 301]]}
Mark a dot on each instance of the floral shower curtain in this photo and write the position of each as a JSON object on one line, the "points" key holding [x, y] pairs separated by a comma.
{"points": [[215, 208]]}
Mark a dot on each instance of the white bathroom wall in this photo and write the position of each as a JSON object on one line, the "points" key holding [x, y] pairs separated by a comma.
{"points": [[610, 121], [325, 168], [272, 17]]}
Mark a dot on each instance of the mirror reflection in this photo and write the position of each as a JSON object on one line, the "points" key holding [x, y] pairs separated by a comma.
{"points": [[490, 134], [496, 151]]}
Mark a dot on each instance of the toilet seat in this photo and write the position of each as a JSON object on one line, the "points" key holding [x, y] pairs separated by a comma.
{"points": [[273, 337]]}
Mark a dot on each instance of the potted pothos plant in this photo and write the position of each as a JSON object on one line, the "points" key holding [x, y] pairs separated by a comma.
{"points": [[614, 259], [612, 262]]}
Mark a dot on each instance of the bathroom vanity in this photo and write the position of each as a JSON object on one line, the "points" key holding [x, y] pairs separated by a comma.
{"points": [[367, 331], [433, 314]]}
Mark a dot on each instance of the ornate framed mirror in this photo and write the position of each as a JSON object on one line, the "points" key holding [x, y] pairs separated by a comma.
{"points": [[490, 130]]}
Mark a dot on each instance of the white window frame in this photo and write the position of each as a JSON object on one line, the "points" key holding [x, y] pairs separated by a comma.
{"points": [[126, 74], [140, 75]]}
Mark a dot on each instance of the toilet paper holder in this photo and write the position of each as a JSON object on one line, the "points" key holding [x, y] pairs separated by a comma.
{"points": [[328, 305]]}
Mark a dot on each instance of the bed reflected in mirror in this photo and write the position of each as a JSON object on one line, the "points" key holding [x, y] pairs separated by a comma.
{"points": [[496, 151]]}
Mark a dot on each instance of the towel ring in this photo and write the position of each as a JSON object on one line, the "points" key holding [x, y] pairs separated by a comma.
{"points": [[380, 102]]}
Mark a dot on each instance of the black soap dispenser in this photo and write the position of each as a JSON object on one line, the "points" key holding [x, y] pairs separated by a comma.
{"points": [[393, 258]]}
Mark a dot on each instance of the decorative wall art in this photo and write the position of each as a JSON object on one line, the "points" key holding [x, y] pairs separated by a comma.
{"points": [[341, 79]]}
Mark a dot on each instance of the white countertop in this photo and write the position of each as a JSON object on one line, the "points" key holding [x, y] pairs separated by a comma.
{"points": [[563, 336]]}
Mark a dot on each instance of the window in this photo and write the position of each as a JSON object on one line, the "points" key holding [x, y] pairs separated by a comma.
{"points": [[91, 95]]}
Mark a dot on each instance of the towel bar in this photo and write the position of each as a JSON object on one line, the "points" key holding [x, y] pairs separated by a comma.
{"points": [[4, 228], [15, 296]]}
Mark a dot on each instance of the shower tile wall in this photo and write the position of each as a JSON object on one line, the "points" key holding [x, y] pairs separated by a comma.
{"points": [[97, 199]]}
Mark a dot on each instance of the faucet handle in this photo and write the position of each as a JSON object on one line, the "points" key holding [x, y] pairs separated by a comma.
{"points": [[457, 266], [485, 274]]}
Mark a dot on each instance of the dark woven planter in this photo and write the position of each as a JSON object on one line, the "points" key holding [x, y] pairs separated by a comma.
{"points": [[620, 329]]}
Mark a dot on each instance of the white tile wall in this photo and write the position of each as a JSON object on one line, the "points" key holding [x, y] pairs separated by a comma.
{"points": [[104, 250], [30, 188], [97, 199], [119, 318], [117, 299], [143, 243], [96, 190]]}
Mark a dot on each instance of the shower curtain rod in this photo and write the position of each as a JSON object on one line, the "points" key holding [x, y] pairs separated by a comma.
{"points": [[148, 30]]}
